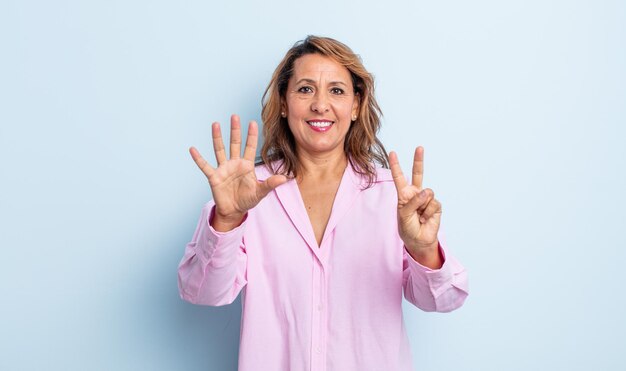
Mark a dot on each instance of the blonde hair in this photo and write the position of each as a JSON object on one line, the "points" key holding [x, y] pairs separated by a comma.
{"points": [[362, 147]]}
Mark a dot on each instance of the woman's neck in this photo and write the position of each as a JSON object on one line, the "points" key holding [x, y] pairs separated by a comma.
{"points": [[321, 167]]}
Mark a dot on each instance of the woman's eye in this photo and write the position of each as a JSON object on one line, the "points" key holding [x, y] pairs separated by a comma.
{"points": [[336, 91], [305, 89]]}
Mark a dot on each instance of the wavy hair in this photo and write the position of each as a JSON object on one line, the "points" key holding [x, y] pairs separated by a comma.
{"points": [[362, 147]]}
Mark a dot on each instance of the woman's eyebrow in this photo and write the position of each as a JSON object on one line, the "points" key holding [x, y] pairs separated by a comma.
{"points": [[311, 81]]}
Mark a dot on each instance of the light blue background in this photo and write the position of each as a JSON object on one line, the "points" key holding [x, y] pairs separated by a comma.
{"points": [[519, 104]]}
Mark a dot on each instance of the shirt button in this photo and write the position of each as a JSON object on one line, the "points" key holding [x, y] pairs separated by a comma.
{"points": [[318, 350], [319, 307]]}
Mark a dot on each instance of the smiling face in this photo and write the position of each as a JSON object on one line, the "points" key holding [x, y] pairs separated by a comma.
{"points": [[319, 105]]}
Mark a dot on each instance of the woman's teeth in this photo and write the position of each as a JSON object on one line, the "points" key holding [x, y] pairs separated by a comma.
{"points": [[320, 124]]}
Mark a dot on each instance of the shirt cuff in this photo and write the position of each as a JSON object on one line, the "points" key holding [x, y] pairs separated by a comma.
{"points": [[439, 280], [217, 249]]}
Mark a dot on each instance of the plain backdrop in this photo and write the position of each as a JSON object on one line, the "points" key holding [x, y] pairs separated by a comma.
{"points": [[520, 106]]}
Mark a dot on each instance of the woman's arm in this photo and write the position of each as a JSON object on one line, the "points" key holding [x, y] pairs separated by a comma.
{"points": [[213, 269], [432, 279], [435, 290]]}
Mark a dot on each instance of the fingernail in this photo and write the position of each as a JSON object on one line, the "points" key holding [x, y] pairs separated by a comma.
{"points": [[422, 220], [423, 193]]}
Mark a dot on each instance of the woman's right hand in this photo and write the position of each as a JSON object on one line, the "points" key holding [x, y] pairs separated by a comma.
{"points": [[233, 183]]}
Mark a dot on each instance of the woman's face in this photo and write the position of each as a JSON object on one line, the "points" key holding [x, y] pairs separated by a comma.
{"points": [[320, 104]]}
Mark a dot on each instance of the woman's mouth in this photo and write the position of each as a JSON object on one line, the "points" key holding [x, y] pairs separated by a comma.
{"points": [[320, 125]]}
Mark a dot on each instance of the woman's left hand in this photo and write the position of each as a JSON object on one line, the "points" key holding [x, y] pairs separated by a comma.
{"points": [[419, 213]]}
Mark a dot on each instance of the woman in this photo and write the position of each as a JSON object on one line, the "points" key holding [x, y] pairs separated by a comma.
{"points": [[321, 240]]}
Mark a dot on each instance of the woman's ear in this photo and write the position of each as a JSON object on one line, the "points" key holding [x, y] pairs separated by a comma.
{"points": [[355, 106], [283, 109]]}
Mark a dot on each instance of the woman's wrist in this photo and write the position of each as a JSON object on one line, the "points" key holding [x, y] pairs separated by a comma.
{"points": [[428, 256], [226, 223]]}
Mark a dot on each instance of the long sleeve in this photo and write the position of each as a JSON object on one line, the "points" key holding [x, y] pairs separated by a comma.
{"points": [[435, 290], [213, 268]]}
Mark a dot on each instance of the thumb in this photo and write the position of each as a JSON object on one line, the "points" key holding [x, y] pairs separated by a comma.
{"points": [[270, 183], [416, 201]]}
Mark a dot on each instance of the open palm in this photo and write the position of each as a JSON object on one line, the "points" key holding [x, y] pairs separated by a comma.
{"points": [[234, 183]]}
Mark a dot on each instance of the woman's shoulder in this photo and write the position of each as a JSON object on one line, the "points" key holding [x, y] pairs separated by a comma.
{"points": [[263, 171], [382, 178], [383, 175]]}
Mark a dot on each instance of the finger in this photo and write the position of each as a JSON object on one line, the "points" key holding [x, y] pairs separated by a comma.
{"points": [[433, 208], [418, 167], [396, 172], [413, 204], [218, 144], [201, 162], [429, 196], [251, 142], [235, 137], [270, 183]]}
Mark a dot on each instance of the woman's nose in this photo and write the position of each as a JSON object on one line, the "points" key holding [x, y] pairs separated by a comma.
{"points": [[320, 102]]}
